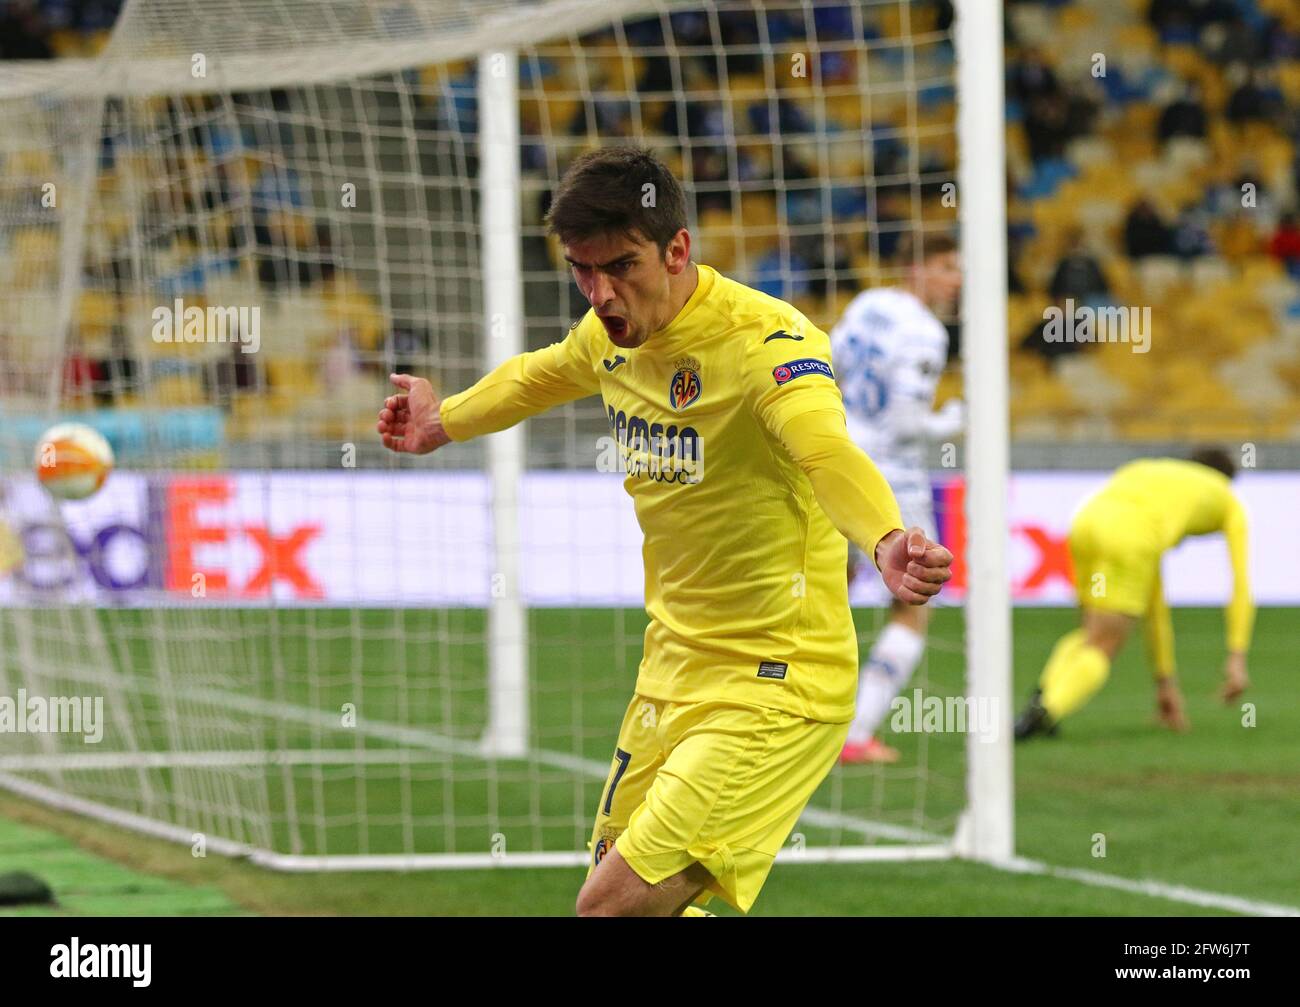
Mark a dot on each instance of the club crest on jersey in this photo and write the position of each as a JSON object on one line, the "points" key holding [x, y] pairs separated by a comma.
{"points": [[685, 386], [798, 368], [604, 844]]}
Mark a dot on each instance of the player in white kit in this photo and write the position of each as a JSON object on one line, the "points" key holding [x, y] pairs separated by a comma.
{"points": [[889, 351]]}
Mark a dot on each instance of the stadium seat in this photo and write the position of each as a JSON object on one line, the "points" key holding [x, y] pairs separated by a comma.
{"points": [[1089, 382], [184, 389], [719, 239], [1156, 274]]}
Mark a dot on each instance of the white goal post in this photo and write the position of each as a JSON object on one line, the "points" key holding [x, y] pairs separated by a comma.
{"points": [[988, 832]]}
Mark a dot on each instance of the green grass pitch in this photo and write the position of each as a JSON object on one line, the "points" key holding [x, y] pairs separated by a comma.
{"points": [[1211, 810]]}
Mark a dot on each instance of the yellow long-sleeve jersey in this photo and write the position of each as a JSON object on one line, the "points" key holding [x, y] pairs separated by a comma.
{"points": [[1162, 501], [732, 433]]}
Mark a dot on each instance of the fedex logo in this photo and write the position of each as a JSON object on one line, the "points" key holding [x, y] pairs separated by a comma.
{"points": [[1041, 563], [184, 539], [190, 528]]}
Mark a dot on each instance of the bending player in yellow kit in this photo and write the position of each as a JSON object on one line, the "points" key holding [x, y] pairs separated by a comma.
{"points": [[1116, 541], [745, 484]]}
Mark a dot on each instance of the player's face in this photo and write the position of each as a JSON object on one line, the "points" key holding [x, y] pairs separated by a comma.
{"points": [[939, 281], [626, 281]]}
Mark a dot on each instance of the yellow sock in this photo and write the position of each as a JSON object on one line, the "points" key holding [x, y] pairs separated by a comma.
{"points": [[1059, 658], [1074, 673]]}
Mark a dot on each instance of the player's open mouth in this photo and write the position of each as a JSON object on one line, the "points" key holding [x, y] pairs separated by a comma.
{"points": [[614, 325]]}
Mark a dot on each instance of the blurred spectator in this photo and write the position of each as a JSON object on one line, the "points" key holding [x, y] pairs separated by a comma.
{"points": [[23, 32], [1079, 276], [1146, 233], [80, 374], [1167, 15], [790, 118], [410, 343], [1256, 99], [1182, 20], [1192, 233], [1278, 41], [235, 372], [1014, 284], [1285, 243], [1184, 116], [710, 177], [837, 271], [1229, 43], [738, 31], [119, 369], [1047, 126], [1036, 342], [1030, 78], [1237, 236]]}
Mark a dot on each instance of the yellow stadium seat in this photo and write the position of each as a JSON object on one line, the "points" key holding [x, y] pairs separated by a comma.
{"points": [[97, 313], [1136, 36], [950, 385], [292, 375], [1075, 18], [1288, 80], [836, 304], [350, 308], [1259, 269], [718, 234], [177, 390], [757, 209], [66, 43], [1184, 61], [757, 242], [618, 75]]}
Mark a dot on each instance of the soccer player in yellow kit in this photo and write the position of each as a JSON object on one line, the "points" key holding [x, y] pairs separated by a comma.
{"points": [[1116, 541], [745, 483]]}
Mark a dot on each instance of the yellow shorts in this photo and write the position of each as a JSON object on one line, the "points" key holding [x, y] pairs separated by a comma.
{"points": [[718, 783], [1116, 564]]}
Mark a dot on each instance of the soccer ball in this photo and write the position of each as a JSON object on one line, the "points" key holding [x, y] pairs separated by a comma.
{"points": [[73, 460]]}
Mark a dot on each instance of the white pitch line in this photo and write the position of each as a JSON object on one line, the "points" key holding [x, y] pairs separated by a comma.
{"points": [[72, 761], [1155, 889]]}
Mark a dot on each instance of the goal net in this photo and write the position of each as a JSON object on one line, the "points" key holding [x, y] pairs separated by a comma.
{"points": [[220, 235]]}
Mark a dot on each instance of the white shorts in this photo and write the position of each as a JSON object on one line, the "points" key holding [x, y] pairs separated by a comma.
{"points": [[918, 509]]}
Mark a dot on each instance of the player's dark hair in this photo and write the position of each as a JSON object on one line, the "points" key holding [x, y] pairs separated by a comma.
{"points": [[1215, 458], [618, 190], [929, 245]]}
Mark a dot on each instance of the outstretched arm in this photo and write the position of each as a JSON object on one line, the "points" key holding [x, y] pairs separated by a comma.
{"points": [[859, 502], [1160, 646], [1240, 614], [801, 406], [1160, 634], [523, 386]]}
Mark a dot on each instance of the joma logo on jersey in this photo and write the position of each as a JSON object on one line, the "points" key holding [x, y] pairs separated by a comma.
{"points": [[685, 386], [798, 368]]}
